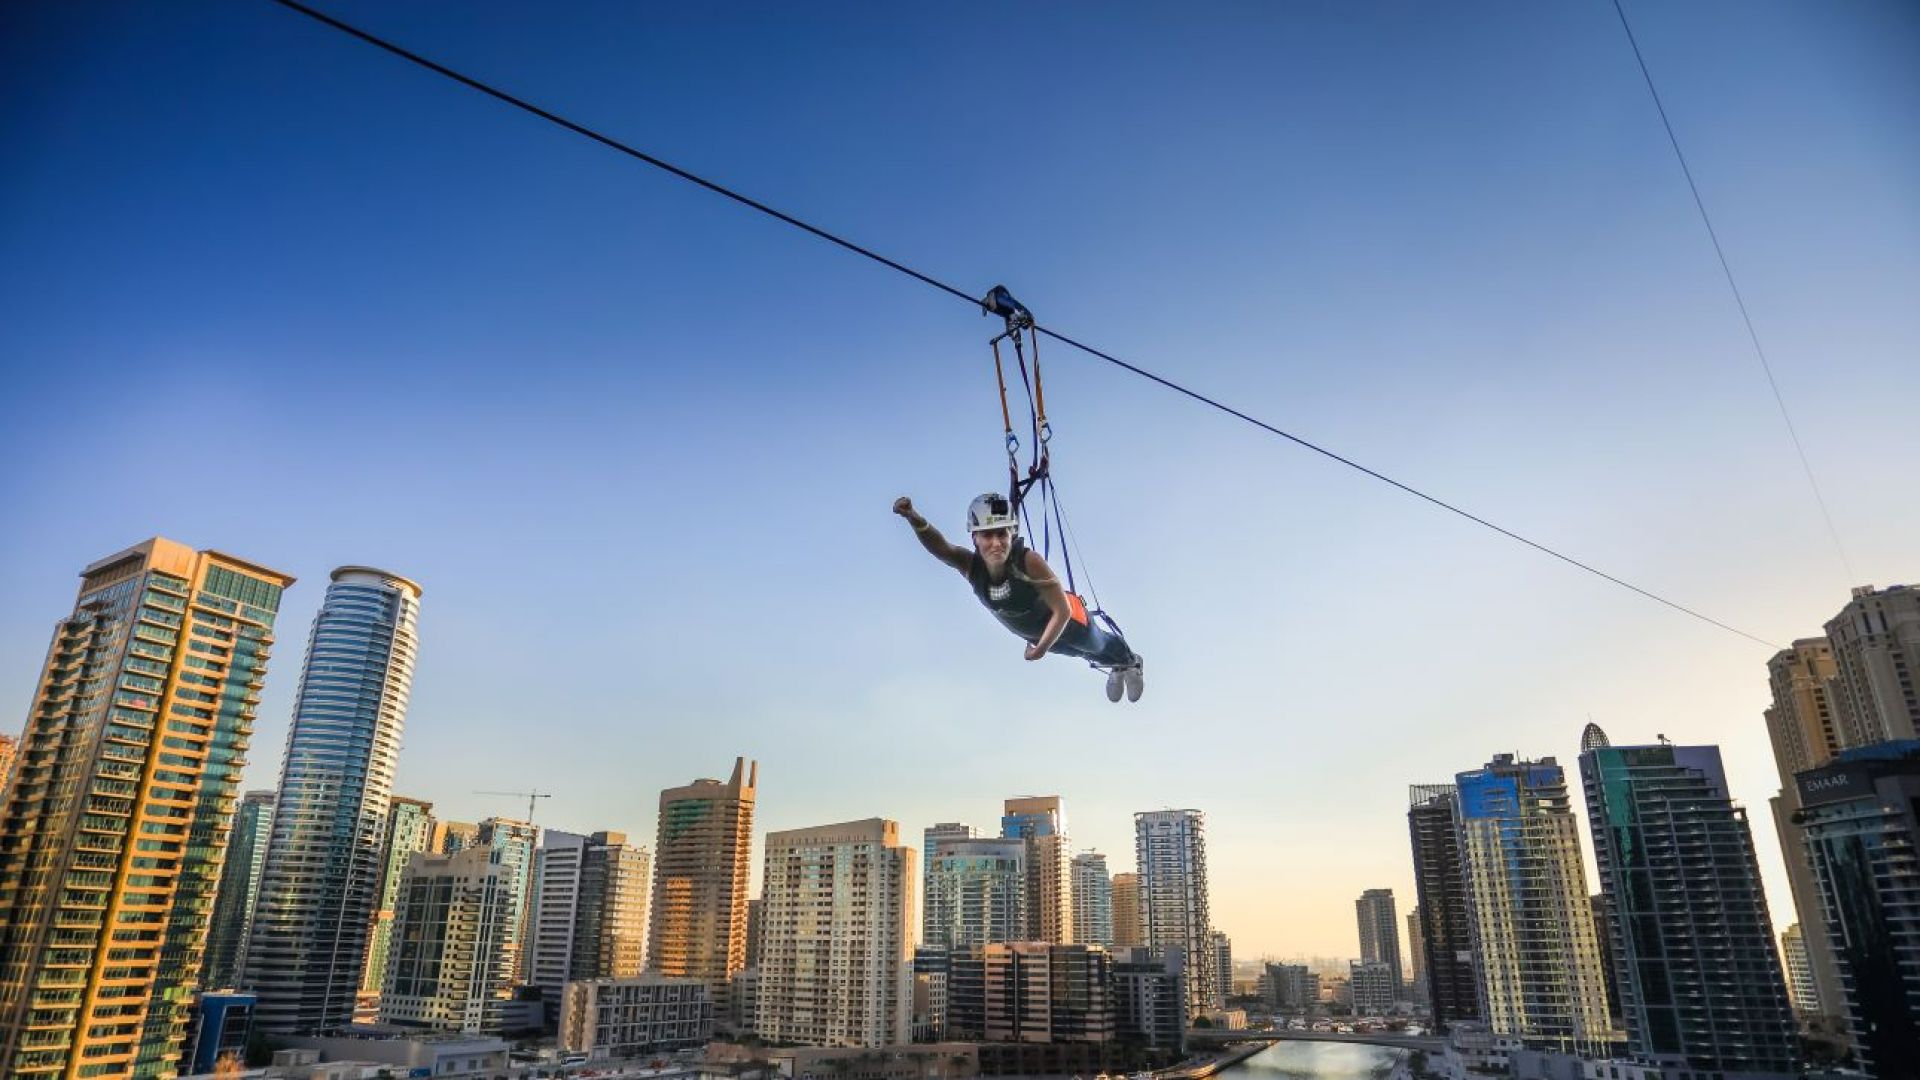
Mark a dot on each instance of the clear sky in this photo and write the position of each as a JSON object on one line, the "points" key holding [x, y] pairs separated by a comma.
{"points": [[265, 289]]}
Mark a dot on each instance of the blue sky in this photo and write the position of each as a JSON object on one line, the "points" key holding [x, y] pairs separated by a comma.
{"points": [[270, 291]]}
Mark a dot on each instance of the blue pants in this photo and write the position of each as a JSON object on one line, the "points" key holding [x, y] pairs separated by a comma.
{"points": [[1095, 644]]}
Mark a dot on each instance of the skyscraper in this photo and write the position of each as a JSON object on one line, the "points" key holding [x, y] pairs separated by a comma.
{"points": [[1446, 922], [590, 911], [320, 887], [976, 893], [698, 925], [1170, 847], [113, 829], [555, 914], [450, 919], [1531, 918], [1700, 981], [1380, 932], [610, 936], [1041, 820], [1807, 729], [1126, 911], [1876, 655], [409, 831], [1092, 900], [1861, 815], [1222, 967], [239, 886], [836, 965], [1417, 954], [513, 844], [9, 747]]}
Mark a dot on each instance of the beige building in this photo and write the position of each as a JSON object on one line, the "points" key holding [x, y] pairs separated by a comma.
{"points": [[1126, 911], [626, 1018], [113, 831], [1039, 992], [451, 918], [9, 746], [836, 964], [1876, 655], [1530, 912], [698, 926], [1806, 730], [1041, 820]]}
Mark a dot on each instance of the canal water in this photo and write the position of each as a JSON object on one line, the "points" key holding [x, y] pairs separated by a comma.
{"points": [[1317, 1061]]}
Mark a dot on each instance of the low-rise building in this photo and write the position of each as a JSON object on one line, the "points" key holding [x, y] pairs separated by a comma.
{"points": [[620, 1018], [1372, 985], [398, 1049]]}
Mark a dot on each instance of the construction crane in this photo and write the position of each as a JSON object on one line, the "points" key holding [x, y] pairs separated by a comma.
{"points": [[530, 796]]}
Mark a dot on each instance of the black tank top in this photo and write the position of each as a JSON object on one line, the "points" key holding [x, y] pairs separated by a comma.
{"points": [[1014, 600]]}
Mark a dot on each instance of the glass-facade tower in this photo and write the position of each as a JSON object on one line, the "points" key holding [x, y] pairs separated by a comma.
{"points": [[1446, 930], [239, 886], [1528, 906], [320, 890], [1692, 944], [114, 828]]}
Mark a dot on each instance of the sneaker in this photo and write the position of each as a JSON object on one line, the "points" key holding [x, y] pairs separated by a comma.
{"points": [[1135, 678], [1116, 684]]}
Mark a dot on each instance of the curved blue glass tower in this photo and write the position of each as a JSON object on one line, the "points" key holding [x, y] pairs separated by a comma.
{"points": [[319, 889]]}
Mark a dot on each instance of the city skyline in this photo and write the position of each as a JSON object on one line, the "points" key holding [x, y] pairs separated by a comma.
{"points": [[1517, 312]]}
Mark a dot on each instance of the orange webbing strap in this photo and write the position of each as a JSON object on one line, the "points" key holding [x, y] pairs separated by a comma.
{"points": [[1006, 418], [1077, 609], [1039, 393]]}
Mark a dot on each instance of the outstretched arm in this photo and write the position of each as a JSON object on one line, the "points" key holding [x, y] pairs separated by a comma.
{"points": [[952, 554], [1056, 597]]}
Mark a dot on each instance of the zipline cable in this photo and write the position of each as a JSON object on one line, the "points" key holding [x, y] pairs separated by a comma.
{"points": [[1739, 300], [974, 302]]}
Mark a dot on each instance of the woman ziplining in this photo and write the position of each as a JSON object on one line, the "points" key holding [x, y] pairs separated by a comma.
{"points": [[1012, 580]]}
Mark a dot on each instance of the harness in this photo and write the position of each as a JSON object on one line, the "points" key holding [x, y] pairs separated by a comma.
{"points": [[1037, 484]]}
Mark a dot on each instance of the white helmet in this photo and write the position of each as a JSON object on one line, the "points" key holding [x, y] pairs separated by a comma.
{"points": [[992, 511]]}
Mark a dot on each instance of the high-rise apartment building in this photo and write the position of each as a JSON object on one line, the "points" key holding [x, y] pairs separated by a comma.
{"points": [[409, 832], [1793, 957], [320, 887], [239, 885], [610, 935], [976, 893], [1531, 918], [450, 920], [555, 914], [1092, 900], [1222, 968], [1170, 848], [1126, 911], [114, 826], [1416, 953], [1807, 729], [513, 844], [837, 963], [1700, 982], [1861, 816], [1876, 656], [1041, 992], [1041, 820], [9, 748], [698, 922], [1380, 931], [590, 911], [1446, 921]]}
